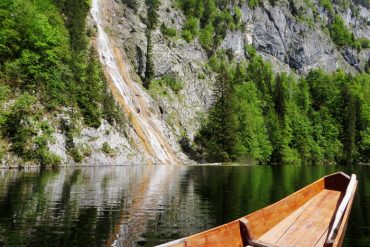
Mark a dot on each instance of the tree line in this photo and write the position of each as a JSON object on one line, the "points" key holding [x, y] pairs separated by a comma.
{"points": [[260, 117]]}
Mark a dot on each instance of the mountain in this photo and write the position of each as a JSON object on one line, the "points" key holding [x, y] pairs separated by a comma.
{"points": [[249, 81]]}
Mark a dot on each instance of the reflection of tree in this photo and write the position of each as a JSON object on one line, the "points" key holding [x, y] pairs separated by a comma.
{"points": [[51, 208], [32, 213], [23, 205]]}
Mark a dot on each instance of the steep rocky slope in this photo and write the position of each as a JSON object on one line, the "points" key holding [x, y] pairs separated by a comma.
{"points": [[293, 44], [293, 35], [175, 57]]}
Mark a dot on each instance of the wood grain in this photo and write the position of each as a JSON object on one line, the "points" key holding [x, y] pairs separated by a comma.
{"points": [[308, 229], [273, 235], [263, 220]]}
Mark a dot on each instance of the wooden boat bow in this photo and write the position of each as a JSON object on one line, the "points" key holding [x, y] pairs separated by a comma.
{"points": [[315, 215]]}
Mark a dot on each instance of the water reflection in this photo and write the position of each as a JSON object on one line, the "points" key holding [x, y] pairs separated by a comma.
{"points": [[148, 205]]}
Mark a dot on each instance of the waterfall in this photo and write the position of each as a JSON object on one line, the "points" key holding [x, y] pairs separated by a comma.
{"points": [[135, 102]]}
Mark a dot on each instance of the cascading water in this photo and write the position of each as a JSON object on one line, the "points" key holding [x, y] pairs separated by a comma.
{"points": [[134, 100]]}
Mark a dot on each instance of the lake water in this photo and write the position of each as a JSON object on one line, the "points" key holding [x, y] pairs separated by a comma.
{"points": [[148, 205]]}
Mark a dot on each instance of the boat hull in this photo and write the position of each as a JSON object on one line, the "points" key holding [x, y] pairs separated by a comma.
{"points": [[305, 218]]}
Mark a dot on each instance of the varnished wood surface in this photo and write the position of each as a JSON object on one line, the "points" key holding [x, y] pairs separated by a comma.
{"points": [[306, 225], [301, 219], [264, 219], [273, 235]]}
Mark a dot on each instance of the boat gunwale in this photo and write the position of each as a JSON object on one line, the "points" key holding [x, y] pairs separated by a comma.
{"points": [[344, 222], [254, 241]]}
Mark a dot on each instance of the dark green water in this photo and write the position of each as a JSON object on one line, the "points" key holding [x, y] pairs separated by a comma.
{"points": [[144, 206]]}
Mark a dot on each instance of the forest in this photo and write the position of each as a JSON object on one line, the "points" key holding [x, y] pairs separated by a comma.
{"points": [[261, 117], [48, 67]]}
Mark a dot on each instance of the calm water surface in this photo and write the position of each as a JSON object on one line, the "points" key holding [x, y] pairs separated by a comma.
{"points": [[148, 205]]}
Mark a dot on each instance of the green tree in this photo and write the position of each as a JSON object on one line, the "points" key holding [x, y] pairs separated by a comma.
{"points": [[133, 4], [152, 15], [191, 28], [240, 74], [339, 32], [252, 129], [222, 125], [91, 90], [279, 95], [350, 119], [149, 71], [254, 3], [210, 11], [260, 73], [206, 37]]}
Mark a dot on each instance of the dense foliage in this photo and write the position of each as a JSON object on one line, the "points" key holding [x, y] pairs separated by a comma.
{"points": [[209, 20], [319, 119], [45, 67]]}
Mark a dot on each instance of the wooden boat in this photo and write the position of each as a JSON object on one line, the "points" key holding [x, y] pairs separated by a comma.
{"points": [[316, 215]]}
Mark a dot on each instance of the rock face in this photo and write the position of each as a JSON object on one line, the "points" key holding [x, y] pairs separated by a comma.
{"points": [[91, 142], [291, 44], [359, 20], [276, 32], [172, 56]]}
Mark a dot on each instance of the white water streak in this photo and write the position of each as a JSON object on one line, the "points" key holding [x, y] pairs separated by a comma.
{"points": [[150, 123]]}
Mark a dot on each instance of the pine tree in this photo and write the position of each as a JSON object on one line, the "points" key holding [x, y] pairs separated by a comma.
{"points": [[260, 73], [133, 4], [90, 95], [367, 66], [149, 72], [239, 76], [223, 125], [279, 95], [252, 129], [350, 113], [75, 12], [152, 16]]}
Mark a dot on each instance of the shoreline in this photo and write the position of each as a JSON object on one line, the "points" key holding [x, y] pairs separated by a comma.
{"points": [[39, 167]]}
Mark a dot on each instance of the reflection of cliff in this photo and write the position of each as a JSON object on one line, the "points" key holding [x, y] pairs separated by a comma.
{"points": [[93, 206], [141, 110], [87, 206], [149, 197], [149, 205]]}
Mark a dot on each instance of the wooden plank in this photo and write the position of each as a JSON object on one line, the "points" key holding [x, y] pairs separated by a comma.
{"points": [[310, 226], [264, 219], [225, 235], [323, 238], [278, 231]]}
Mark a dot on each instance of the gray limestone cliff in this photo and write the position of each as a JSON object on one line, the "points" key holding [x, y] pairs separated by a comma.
{"points": [[291, 44]]}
